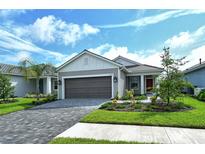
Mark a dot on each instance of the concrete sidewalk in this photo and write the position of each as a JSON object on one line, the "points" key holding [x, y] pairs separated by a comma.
{"points": [[167, 135]]}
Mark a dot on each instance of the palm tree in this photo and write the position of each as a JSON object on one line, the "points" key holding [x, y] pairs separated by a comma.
{"points": [[30, 69]]}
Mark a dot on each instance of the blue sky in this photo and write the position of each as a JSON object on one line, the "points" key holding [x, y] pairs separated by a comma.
{"points": [[56, 35]]}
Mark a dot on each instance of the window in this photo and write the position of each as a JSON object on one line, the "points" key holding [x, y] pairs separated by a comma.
{"points": [[55, 85], [134, 86]]}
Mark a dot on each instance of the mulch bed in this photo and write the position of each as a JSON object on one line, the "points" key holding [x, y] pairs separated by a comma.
{"points": [[142, 107]]}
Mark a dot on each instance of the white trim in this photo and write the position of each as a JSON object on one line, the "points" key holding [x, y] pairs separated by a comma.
{"points": [[118, 82], [85, 76], [58, 86], [142, 84], [48, 85], [90, 53]]}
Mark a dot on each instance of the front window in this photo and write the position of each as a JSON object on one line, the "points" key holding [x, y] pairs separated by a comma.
{"points": [[55, 87], [134, 86], [133, 83]]}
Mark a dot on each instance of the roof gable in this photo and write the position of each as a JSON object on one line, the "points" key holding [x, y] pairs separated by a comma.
{"points": [[125, 61], [84, 52]]}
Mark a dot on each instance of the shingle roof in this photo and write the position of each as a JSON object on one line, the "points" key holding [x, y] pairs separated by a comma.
{"points": [[195, 67], [143, 68], [126, 59]]}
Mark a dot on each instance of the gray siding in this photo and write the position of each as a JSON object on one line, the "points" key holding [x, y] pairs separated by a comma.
{"points": [[22, 86], [197, 78], [90, 72]]}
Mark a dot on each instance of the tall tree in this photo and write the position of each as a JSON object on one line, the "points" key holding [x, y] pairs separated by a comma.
{"points": [[171, 80], [33, 70]]}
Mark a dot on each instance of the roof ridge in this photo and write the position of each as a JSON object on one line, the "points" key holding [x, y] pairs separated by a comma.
{"points": [[126, 59]]}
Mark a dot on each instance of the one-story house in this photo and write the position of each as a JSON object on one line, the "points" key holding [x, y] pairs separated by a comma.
{"points": [[196, 75], [90, 75], [48, 82]]}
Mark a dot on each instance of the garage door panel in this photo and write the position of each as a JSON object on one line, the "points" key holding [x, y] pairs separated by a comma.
{"points": [[94, 87]]}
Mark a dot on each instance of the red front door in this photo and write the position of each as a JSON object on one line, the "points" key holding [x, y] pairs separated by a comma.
{"points": [[149, 85]]}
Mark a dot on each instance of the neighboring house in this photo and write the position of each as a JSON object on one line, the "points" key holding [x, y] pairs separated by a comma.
{"points": [[196, 75], [89, 75], [48, 82]]}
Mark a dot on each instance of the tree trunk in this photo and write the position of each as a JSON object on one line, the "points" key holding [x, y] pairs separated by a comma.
{"points": [[37, 88], [168, 100]]}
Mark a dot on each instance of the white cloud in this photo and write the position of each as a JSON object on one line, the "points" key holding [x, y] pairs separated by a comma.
{"points": [[15, 45], [66, 58], [15, 58], [144, 21], [4, 13], [185, 39], [194, 56], [111, 51], [49, 29], [150, 57]]}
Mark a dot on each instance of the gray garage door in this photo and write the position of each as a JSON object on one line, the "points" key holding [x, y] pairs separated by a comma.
{"points": [[92, 87]]}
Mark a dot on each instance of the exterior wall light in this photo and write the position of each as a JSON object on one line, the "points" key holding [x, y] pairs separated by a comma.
{"points": [[59, 82], [115, 79]]}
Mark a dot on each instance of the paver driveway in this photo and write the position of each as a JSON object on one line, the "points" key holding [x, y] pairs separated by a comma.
{"points": [[41, 123]]}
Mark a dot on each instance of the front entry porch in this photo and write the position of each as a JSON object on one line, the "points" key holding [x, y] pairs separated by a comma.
{"points": [[47, 85], [141, 84]]}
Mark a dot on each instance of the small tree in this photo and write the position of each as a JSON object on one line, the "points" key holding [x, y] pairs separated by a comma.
{"points": [[32, 70], [6, 88], [172, 80]]}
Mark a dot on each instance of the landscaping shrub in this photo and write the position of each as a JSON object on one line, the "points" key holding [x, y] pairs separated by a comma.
{"points": [[48, 98], [104, 106], [154, 99], [128, 94], [33, 95], [201, 95], [141, 107], [6, 88], [141, 97], [117, 97]]}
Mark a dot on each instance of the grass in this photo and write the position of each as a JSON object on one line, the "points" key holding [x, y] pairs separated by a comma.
{"points": [[194, 118], [62, 140], [19, 104]]}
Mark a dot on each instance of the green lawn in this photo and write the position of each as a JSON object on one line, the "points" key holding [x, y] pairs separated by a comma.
{"points": [[20, 104], [194, 118], [62, 140]]}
